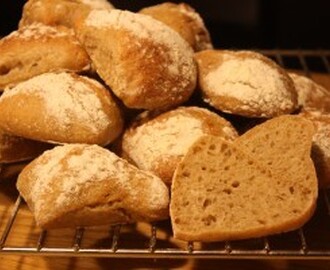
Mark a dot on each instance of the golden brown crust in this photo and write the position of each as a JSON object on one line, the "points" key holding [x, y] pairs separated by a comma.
{"points": [[16, 149], [321, 145], [183, 19], [158, 143], [245, 83], [148, 67], [61, 108], [37, 49], [86, 185], [311, 96], [58, 12]]}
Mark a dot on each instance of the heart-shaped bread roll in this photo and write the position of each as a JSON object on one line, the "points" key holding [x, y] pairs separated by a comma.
{"points": [[223, 191]]}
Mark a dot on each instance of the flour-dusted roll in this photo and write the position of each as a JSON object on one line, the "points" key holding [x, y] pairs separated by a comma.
{"points": [[85, 185], [60, 12], [245, 83], [37, 49], [157, 144], [321, 145], [16, 149], [311, 96], [144, 62], [183, 19], [61, 108]]}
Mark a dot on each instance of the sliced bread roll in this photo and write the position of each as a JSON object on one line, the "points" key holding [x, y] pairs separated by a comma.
{"points": [[61, 108], [220, 192], [85, 185]]}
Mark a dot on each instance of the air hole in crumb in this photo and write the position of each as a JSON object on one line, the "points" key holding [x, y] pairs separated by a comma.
{"points": [[186, 203], [209, 189], [235, 184], [291, 189], [227, 154], [4, 70], [209, 219], [226, 168], [186, 174], [250, 162], [276, 215], [272, 144], [227, 191], [231, 205], [203, 168], [200, 179], [223, 147], [212, 147], [295, 211], [212, 170], [270, 163], [261, 221], [177, 220], [206, 203], [197, 149]]}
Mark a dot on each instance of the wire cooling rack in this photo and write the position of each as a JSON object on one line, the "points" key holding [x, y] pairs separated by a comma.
{"points": [[19, 235]]}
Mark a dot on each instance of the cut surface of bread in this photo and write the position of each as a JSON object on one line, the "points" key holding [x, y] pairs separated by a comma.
{"points": [[85, 185], [220, 192], [284, 144]]}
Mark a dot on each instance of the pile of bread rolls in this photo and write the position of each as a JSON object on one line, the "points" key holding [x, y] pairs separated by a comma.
{"points": [[122, 102]]}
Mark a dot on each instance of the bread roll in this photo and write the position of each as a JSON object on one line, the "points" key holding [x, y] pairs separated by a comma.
{"points": [[37, 49], [220, 192], [86, 185], [321, 145], [61, 108], [311, 96], [16, 149], [145, 63], [157, 144], [60, 12], [245, 83], [183, 19]]}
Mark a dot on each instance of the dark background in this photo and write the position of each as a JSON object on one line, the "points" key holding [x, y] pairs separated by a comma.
{"points": [[236, 23]]}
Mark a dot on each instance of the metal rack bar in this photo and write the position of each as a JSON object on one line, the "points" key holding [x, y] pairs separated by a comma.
{"points": [[10, 221]]}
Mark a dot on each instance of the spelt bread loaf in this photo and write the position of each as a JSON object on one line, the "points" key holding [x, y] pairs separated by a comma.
{"points": [[311, 96], [61, 108], [15, 149], [157, 144], [221, 192], [183, 19], [85, 185], [59, 12], [321, 145], [245, 83], [149, 66], [37, 49]]}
